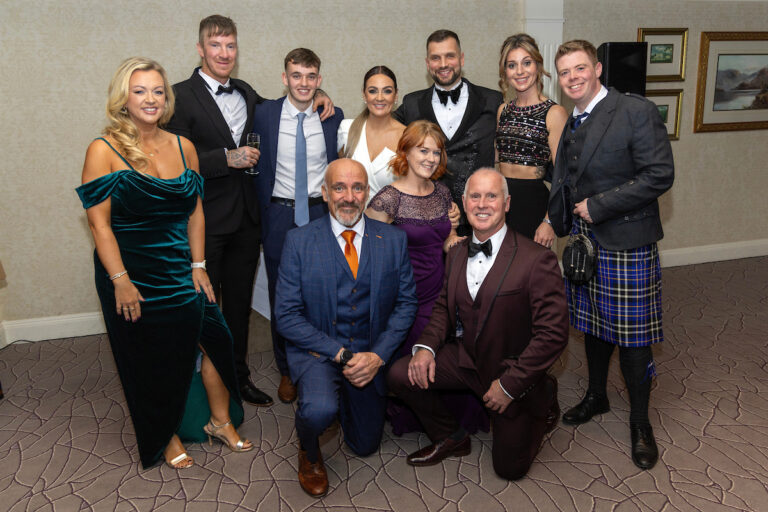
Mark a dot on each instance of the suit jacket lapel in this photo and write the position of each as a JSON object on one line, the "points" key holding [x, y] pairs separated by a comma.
{"points": [[490, 287], [329, 134], [274, 124], [372, 246], [250, 103], [425, 106], [327, 242], [597, 124], [474, 104], [203, 96]]}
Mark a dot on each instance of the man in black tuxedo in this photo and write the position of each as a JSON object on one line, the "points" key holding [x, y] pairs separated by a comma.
{"points": [[465, 112], [215, 112]]}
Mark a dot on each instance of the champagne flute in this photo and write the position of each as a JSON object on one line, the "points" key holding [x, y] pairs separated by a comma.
{"points": [[252, 140]]}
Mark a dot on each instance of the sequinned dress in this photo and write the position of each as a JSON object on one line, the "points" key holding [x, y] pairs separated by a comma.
{"points": [[425, 221], [522, 138], [156, 356]]}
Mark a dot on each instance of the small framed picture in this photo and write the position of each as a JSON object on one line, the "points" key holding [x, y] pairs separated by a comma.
{"points": [[666, 53], [732, 87], [669, 102]]}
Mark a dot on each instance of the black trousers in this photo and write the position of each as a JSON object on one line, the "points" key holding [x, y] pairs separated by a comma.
{"points": [[232, 260]]}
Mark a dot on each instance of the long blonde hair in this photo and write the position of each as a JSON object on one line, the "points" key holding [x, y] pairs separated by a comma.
{"points": [[356, 128], [121, 128]]}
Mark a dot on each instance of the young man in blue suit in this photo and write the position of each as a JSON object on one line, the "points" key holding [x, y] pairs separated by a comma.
{"points": [[613, 162], [345, 301], [296, 148]]}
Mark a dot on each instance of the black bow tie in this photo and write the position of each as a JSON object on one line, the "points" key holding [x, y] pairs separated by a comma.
{"points": [[484, 247], [225, 90], [453, 94]]}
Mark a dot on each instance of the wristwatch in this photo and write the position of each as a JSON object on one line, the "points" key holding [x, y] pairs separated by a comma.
{"points": [[345, 356]]}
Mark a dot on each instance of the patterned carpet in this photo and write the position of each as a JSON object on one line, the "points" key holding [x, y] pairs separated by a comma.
{"points": [[67, 443]]}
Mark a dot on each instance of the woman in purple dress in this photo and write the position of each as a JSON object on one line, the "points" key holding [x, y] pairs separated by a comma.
{"points": [[420, 206]]}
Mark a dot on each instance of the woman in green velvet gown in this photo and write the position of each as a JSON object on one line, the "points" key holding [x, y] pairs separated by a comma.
{"points": [[142, 193]]}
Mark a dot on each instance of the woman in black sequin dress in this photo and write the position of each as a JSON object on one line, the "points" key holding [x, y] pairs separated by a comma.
{"points": [[527, 134]]}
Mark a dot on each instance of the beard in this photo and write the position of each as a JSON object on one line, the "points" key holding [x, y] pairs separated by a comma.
{"points": [[347, 220]]}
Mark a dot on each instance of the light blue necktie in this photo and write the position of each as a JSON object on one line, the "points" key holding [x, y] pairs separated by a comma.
{"points": [[301, 197]]}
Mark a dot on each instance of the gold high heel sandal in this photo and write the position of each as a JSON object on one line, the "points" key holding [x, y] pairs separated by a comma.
{"points": [[212, 430]]}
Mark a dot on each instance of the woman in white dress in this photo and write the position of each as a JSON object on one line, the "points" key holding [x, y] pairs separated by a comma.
{"points": [[371, 138]]}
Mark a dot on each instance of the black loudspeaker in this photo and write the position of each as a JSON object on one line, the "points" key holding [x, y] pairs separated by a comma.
{"points": [[624, 66]]}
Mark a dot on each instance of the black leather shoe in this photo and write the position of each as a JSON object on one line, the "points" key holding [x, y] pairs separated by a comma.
{"points": [[254, 395], [582, 413], [644, 450], [435, 453]]}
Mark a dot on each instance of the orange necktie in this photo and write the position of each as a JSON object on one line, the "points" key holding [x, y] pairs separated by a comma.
{"points": [[350, 253]]}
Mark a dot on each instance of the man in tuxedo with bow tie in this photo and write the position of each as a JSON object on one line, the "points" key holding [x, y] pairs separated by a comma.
{"points": [[464, 111], [507, 293], [215, 112]]}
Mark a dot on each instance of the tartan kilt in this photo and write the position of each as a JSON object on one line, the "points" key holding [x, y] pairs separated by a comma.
{"points": [[622, 302]]}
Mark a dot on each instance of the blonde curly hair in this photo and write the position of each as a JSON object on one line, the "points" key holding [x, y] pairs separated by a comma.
{"points": [[120, 127]]}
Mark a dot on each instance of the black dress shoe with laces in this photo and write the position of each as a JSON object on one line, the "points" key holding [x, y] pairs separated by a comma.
{"points": [[644, 450], [582, 413], [254, 395]]}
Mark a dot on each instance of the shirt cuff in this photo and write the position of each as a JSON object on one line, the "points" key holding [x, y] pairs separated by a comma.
{"points": [[505, 391], [417, 347]]}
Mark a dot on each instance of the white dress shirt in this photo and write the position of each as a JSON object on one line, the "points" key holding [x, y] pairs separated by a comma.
{"points": [[449, 116], [317, 160], [479, 264], [602, 93], [232, 106], [338, 228]]}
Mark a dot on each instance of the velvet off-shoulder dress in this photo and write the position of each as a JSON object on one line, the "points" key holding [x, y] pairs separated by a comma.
{"points": [[158, 357]]}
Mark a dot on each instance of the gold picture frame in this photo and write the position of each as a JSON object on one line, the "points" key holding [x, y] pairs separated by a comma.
{"points": [[737, 101], [667, 49], [669, 103]]}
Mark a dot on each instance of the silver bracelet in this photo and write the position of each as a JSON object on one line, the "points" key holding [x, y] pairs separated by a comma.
{"points": [[545, 219], [198, 264], [119, 274]]}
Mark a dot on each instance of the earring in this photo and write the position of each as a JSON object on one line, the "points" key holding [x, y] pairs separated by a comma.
{"points": [[123, 110]]}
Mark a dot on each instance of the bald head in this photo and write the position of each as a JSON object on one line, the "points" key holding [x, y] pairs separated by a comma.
{"points": [[346, 190]]}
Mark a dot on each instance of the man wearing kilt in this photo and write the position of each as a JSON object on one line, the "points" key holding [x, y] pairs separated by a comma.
{"points": [[613, 162]]}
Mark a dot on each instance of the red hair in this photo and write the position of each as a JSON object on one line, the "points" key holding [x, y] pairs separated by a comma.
{"points": [[414, 135]]}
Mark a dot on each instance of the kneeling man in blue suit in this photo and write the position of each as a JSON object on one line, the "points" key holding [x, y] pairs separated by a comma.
{"points": [[345, 300]]}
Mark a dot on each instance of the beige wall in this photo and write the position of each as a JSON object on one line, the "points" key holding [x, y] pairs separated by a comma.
{"points": [[58, 59], [721, 178]]}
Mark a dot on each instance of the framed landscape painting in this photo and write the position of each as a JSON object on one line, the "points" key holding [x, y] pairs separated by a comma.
{"points": [[668, 101], [666, 53], [732, 87]]}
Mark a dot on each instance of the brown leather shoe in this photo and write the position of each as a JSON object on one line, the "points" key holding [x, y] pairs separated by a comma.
{"points": [[435, 453], [286, 392], [312, 476]]}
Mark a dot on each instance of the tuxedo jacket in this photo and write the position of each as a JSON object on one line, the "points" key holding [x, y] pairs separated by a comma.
{"points": [[266, 122], [471, 147], [306, 296], [227, 192], [625, 165], [523, 319]]}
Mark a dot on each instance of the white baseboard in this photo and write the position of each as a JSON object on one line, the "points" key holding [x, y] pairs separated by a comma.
{"points": [[84, 324], [714, 252], [51, 327]]}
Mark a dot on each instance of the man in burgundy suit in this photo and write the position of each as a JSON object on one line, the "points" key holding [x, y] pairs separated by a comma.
{"points": [[507, 293]]}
